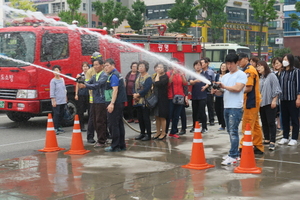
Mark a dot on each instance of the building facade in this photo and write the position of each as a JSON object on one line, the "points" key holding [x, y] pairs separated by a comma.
{"points": [[291, 35]]}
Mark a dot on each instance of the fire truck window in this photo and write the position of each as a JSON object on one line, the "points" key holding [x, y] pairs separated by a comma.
{"points": [[20, 46], [55, 46], [89, 44]]}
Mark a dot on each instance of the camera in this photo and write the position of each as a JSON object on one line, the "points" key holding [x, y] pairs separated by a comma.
{"points": [[214, 86]]}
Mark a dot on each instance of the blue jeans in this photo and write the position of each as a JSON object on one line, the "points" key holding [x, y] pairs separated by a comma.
{"points": [[233, 118]]}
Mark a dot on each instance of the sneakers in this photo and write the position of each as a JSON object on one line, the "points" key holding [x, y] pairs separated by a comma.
{"points": [[221, 129], [182, 132], [97, 144], [59, 131], [92, 141], [174, 136], [192, 130], [229, 161], [272, 147], [226, 156], [283, 141], [204, 130], [292, 142], [110, 149]]}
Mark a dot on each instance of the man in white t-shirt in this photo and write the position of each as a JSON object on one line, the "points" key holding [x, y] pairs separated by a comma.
{"points": [[232, 85]]}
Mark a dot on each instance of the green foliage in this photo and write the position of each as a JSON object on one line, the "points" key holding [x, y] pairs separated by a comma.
{"points": [[72, 14], [215, 16], [135, 17], [109, 10], [264, 12], [281, 52], [23, 5], [68, 17], [74, 5], [183, 14], [295, 23]]}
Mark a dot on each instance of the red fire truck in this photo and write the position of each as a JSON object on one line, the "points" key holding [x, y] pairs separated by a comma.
{"points": [[24, 89]]}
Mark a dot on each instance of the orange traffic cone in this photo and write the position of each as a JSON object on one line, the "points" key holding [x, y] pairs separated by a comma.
{"points": [[77, 143], [247, 163], [51, 141], [198, 157]]}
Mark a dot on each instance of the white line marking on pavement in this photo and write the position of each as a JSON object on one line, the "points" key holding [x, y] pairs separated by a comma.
{"points": [[296, 163], [3, 145]]}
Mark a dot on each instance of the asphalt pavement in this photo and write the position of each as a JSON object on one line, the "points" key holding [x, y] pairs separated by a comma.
{"points": [[149, 170]]}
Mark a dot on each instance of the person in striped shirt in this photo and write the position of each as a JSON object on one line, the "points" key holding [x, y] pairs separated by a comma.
{"points": [[289, 81]]}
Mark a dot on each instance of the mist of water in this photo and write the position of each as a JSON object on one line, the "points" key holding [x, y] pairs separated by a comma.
{"points": [[13, 12]]}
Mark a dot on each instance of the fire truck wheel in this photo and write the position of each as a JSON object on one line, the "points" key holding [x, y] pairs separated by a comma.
{"points": [[72, 112], [18, 116]]}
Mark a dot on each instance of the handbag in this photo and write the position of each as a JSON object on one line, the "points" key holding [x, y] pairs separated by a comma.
{"points": [[178, 99], [151, 101]]}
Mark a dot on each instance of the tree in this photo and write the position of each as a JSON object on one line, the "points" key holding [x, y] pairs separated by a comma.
{"points": [[68, 17], [108, 11], [23, 5], [184, 14], [281, 52], [135, 17], [215, 16], [264, 12], [72, 14], [295, 23]]}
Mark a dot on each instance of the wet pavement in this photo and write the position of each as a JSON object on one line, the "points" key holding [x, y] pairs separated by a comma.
{"points": [[150, 170]]}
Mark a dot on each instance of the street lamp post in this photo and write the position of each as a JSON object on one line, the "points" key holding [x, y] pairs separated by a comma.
{"points": [[115, 21], [203, 52]]}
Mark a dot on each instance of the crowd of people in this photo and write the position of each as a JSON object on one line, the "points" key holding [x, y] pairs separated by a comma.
{"points": [[244, 89]]}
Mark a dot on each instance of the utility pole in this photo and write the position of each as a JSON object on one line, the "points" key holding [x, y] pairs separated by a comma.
{"points": [[90, 13], [1, 13]]}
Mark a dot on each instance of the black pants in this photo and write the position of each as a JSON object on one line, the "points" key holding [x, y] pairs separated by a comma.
{"points": [[100, 121], [143, 114], [183, 119], [219, 108], [58, 114], [82, 105], [116, 126], [198, 109], [289, 112], [90, 129], [268, 117], [210, 108], [130, 109]]}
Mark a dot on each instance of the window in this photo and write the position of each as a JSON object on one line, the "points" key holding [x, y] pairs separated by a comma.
{"points": [[93, 24], [56, 7], [236, 14], [55, 46], [84, 6], [158, 11], [17, 45], [43, 8], [89, 44], [216, 55]]}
